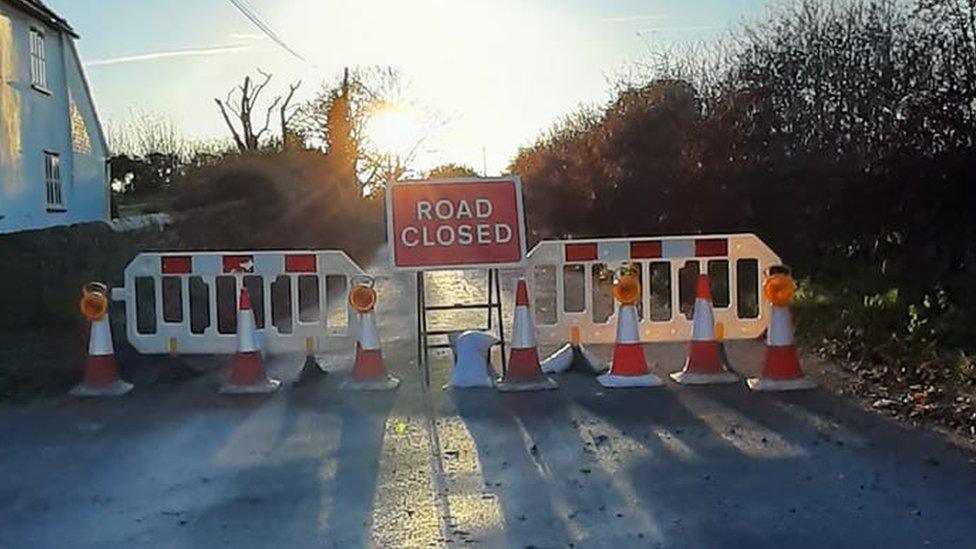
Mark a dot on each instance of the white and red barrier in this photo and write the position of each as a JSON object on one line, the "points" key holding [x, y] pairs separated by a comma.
{"points": [[565, 278], [186, 302]]}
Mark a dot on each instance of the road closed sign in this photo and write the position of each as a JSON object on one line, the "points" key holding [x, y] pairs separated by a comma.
{"points": [[456, 223]]}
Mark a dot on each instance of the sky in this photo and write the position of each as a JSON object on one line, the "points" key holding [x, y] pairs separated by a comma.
{"points": [[497, 72]]}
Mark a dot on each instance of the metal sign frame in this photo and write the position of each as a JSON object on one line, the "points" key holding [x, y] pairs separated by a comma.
{"points": [[493, 303]]}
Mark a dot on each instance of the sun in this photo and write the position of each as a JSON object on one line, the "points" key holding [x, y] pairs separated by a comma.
{"points": [[393, 130]]}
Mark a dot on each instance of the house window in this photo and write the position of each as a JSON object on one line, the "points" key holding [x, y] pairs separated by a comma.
{"points": [[52, 181], [38, 63]]}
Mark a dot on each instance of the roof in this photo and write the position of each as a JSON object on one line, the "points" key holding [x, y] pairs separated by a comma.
{"points": [[37, 9]]}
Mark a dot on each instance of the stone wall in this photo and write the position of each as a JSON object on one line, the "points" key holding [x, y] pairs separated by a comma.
{"points": [[40, 283]]}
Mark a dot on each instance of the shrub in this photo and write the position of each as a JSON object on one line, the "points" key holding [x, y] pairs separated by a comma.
{"points": [[284, 201]]}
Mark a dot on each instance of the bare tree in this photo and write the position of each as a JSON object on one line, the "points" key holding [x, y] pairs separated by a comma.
{"points": [[142, 133], [352, 101], [242, 101], [285, 116]]}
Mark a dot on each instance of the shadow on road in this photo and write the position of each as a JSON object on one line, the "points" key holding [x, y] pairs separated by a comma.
{"points": [[707, 466]]}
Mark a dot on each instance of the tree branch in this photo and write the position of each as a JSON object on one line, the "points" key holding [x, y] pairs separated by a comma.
{"points": [[267, 118], [283, 113], [233, 131]]}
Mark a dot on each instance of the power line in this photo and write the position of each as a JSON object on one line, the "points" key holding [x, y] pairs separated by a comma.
{"points": [[254, 18]]}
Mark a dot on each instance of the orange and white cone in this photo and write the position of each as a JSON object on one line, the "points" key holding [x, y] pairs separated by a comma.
{"points": [[101, 371], [628, 368], [368, 371], [703, 365], [781, 368], [524, 372], [247, 375]]}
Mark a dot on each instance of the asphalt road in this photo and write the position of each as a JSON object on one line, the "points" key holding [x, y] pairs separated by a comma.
{"points": [[173, 464]]}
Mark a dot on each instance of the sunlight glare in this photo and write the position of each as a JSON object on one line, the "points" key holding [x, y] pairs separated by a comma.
{"points": [[393, 130]]}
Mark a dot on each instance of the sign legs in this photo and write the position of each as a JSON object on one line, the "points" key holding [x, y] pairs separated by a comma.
{"points": [[493, 304]]}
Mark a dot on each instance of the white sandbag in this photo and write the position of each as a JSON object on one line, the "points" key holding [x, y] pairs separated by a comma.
{"points": [[471, 367]]}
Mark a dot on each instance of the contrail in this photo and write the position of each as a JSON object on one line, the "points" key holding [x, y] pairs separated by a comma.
{"points": [[627, 18], [680, 28], [194, 52], [247, 36]]}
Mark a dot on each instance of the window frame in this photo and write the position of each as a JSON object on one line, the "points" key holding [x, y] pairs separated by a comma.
{"points": [[53, 183], [37, 50]]}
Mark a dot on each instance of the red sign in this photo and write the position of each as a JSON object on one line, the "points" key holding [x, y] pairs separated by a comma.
{"points": [[456, 223]]}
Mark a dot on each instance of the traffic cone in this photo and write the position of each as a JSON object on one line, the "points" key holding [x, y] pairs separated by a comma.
{"points": [[573, 356], [628, 368], [101, 372], [723, 354], [312, 369], [472, 366], [781, 368], [368, 371], [247, 375], [524, 372], [703, 365]]}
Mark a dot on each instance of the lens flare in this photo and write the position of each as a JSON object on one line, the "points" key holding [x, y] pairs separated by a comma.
{"points": [[393, 130]]}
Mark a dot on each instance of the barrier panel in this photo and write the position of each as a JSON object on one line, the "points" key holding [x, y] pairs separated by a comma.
{"points": [[572, 285], [186, 302]]}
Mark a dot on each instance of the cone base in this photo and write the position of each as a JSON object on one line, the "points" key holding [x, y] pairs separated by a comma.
{"points": [[312, 370], [693, 378], [262, 387], [118, 388], [543, 383], [559, 361], [798, 384], [387, 383], [523, 364], [368, 366], [615, 381]]}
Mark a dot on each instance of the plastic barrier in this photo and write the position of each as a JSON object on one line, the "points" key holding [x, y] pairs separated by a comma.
{"points": [[572, 285], [186, 302]]}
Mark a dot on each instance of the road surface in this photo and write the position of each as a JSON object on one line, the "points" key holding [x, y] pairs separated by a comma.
{"points": [[173, 464]]}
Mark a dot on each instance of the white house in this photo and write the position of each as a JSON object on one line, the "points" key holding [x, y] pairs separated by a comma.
{"points": [[53, 154]]}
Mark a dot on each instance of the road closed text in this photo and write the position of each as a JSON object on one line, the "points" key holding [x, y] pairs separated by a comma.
{"points": [[456, 224], [472, 227]]}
